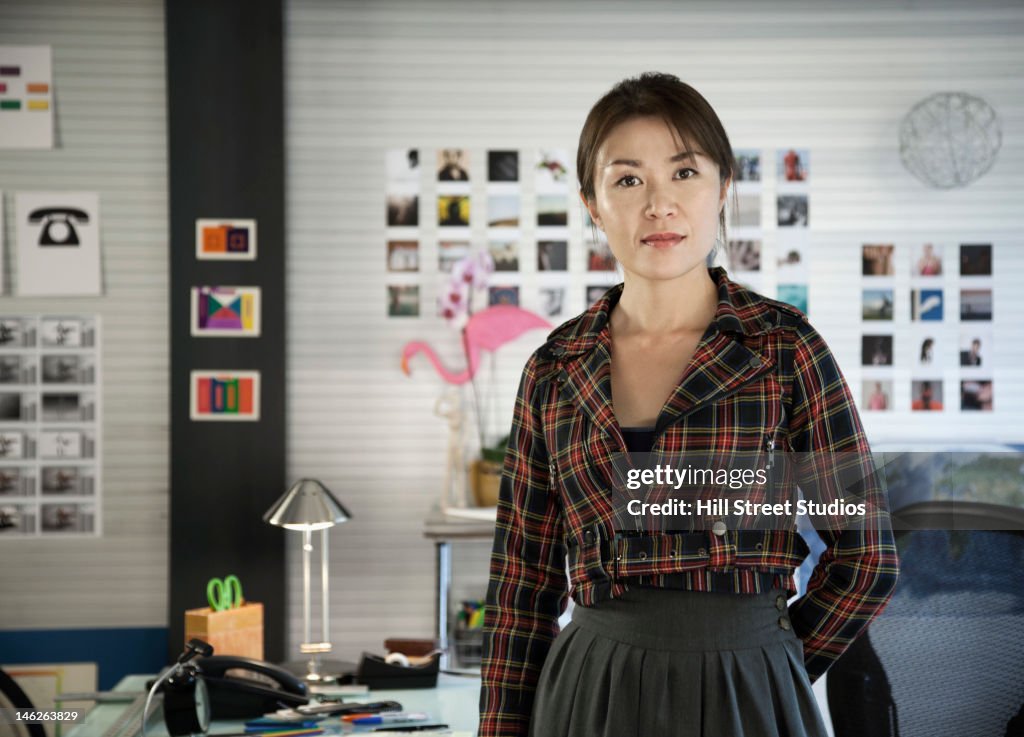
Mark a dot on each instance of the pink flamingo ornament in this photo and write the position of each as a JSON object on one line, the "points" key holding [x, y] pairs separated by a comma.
{"points": [[488, 329]]}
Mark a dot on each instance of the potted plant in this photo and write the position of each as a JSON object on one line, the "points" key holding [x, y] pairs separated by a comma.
{"points": [[486, 474]]}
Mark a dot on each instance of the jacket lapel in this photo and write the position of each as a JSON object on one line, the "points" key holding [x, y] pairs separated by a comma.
{"points": [[720, 365], [587, 383]]}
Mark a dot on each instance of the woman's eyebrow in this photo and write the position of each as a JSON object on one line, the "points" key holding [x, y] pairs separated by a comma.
{"points": [[681, 156]]}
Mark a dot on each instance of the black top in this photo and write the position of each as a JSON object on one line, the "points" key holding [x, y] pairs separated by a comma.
{"points": [[638, 439]]}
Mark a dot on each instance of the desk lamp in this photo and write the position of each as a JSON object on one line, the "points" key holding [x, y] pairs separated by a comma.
{"points": [[308, 506]]}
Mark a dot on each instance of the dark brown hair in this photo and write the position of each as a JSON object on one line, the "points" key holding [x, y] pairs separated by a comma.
{"points": [[662, 96]]}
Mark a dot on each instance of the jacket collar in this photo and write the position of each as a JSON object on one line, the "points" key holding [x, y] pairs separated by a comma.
{"points": [[740, 311], [719, 366]]}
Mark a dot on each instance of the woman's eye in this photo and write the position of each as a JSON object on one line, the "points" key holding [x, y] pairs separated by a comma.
{"points": [[689, 173], [627, 181]]}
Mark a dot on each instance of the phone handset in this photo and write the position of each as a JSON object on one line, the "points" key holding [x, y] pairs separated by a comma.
{"points": [[260, 672], [58, 225]]}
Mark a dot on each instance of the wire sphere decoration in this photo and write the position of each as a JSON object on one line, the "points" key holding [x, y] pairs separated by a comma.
{"points": [[949, 139]]}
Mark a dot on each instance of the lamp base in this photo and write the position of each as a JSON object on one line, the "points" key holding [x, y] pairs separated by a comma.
{"points": [[331, 671]]}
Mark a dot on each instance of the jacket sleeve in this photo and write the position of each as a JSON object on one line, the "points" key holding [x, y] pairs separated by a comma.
{"points": [[528, 586], [855, 576]]}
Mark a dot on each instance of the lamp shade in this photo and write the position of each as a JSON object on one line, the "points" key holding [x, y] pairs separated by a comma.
{"points": [[307, 505]]}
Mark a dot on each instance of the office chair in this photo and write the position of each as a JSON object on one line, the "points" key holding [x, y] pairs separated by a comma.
{"points": [[946, 656], [12, 697]]}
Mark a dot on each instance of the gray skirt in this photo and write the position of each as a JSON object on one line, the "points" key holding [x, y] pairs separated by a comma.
{"points": [[677, 663]]}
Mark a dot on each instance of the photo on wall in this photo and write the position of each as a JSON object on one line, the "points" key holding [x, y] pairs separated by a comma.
{"points": [[449, 252], [793, 294], [403, 256], [225, 312], [403, 209], [502, 166], [403, 165], [503, 211], [975, 304], [748, 164], [54, 444], [403, 300], [552, 255], [876, 304], [552, 301], [926, 305], [976, 395], [975, 348], [876, 350], [926, 395], [552, 169], [68, 518], [928, 351], [927, 260], [877, 395], [17, 519], [452, 165], [225, 239], [600, 256], [68, 369], [744, 255], [505, 254], [746, 213], [453, 210], [791, 263], [503, 294], [226, 395], [12, 445], [976, 259], [793, 164], [552, 210], [877, 259], [793, 211]]}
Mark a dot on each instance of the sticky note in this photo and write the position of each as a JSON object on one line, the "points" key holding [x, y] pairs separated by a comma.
{"points": [[10, 104], [38, 104], [3, 87], [37, 87], [10, 71]]}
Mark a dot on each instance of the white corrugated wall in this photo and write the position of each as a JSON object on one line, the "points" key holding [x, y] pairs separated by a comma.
{"points": [[365, 77], [111, 138]]}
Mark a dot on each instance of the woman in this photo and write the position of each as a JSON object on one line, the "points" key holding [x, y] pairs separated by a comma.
{"points": [[675, 632]]}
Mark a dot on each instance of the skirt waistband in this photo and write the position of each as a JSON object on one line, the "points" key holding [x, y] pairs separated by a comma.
{"points": [[692, 621]]}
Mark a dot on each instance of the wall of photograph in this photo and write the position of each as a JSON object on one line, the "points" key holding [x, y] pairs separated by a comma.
{"points": [[368, 85], [49, 426]]}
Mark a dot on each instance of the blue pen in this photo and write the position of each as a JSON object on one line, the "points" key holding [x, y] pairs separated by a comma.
{"points": [[391, 718], [276, 725]]}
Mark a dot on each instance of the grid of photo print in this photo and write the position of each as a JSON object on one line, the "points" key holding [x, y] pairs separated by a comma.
{"points": [[518, 205], [49, 426], [942, 335], [775, 182]]}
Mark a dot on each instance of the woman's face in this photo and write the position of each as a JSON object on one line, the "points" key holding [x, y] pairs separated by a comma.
{"points": [[658, 207]]}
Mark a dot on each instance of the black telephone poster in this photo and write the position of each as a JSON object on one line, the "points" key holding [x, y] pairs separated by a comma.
{"points": [[58, 244]]}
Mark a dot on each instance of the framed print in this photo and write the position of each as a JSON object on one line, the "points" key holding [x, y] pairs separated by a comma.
{"points": [[225, 395], [225, 239], [225, 312]]}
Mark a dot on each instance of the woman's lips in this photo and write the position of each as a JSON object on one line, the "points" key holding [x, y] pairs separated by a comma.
{"points": [[662, 240]]}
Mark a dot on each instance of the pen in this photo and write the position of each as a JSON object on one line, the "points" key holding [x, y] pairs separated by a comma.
{"points": [[386, 718], [417, 728]]}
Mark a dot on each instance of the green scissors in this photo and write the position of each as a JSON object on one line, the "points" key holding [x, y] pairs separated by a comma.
{"points": [[225, 593]]}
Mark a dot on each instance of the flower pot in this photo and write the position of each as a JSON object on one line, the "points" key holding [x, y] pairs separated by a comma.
{"points": [[486, 482]]}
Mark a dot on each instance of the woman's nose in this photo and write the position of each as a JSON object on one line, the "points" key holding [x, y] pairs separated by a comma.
{"points": [[660, 202]]}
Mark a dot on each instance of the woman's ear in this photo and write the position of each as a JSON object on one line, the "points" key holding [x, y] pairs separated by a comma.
{"points": [[592, 210], [724, 193]]}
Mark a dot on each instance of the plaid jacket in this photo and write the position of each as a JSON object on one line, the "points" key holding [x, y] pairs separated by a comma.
{"points": [[757, 358]]}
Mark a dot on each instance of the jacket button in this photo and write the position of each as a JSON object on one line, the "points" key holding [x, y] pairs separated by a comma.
{"points": [[780, 603], [784, 623], [702, 551], [719, 528], [642, 555], [758, 546], [754, 362], [672, 553], [558, 351], [588, 536]]}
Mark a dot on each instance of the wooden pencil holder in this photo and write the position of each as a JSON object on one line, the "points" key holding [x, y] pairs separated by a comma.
{"points": [[237, 631]]}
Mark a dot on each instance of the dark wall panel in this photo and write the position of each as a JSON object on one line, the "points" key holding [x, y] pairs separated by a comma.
{"points": [[226, 159]]}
